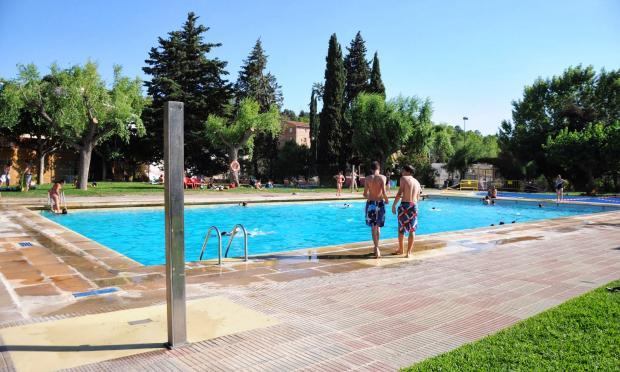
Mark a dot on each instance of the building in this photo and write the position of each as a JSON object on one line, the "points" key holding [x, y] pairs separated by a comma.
{"points": [[296, 131]]}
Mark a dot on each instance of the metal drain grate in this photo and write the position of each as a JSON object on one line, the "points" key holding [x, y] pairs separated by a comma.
{"points": [[141, 321], [95, 292], [25, 244]]}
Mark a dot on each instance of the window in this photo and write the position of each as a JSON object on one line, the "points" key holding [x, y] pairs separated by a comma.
{"points": [[290, 130]]}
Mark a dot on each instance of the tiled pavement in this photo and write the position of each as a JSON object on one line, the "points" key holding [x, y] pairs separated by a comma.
{"points": [[350, 315], [384, 318]]}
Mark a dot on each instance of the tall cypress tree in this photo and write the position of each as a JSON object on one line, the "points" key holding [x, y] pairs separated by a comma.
{"points": [[376, 84], [256, 83], [317, 88], [181, 71], [329, 145]]}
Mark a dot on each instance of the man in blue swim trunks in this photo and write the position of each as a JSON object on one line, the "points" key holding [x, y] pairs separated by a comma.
{"points": [[408, 194], [374, 192]]}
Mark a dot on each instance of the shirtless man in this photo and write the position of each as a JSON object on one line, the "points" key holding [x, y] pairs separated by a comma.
{"points": [[374, 191], [408, 194]]}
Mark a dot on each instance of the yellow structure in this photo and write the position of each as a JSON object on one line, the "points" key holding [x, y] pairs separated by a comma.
{"points": [[468, 185]]}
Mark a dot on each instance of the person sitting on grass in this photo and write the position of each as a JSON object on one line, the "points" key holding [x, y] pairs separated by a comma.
{"points": [[258, 185], [54, 194]]}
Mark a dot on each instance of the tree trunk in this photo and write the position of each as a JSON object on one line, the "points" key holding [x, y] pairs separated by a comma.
{"points": [[84, 165], [104, 170], [233, 154], [41, 167]]}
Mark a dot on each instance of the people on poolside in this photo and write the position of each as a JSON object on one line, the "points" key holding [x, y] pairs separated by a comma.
{"points": [[6, 174], [408, 195], [339, 182], [258, 185], [27, 177], [374, 192], [354, 179], [269, 184], [388, 180], [559, 188], [54, 194]]}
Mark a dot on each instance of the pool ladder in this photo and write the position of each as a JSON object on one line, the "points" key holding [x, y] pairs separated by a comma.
{"points": [[235, 229]]}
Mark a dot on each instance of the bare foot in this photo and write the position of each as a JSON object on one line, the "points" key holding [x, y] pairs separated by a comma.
{"points": [[377, 252], [398, 252]]}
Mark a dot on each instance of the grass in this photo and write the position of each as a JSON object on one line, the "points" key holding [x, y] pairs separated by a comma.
{"points": [[134, 188], [581, 334]]}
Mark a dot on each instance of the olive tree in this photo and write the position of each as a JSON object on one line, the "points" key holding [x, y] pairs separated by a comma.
{"points": [[238, 131], [78, 105]]}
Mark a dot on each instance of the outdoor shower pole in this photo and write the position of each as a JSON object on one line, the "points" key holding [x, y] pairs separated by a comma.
{"points": [[174, 172]]}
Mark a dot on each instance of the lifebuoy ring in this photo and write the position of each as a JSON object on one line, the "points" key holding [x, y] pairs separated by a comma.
{"points": [[234, 166]]}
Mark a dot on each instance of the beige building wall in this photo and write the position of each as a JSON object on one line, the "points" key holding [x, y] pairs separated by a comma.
{"points": [[57, 165], [295, 131]]}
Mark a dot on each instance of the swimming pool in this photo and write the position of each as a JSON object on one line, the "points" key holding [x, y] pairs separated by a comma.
{"points": [[274, 227]]}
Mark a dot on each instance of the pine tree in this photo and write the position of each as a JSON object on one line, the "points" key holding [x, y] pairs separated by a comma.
{"points": [[182, 71], [356, 65], [376, 84], [329, 145], [358, 74], [254, 82]]}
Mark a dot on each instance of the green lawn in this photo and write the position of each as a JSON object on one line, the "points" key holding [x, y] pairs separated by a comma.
{"points": [[133, 188], [581, 334]]}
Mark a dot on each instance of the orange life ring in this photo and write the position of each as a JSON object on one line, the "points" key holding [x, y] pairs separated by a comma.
{"points": [[234, 166]]}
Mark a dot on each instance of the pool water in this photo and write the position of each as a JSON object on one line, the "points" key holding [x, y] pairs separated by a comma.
{"points": [[139, 232]]}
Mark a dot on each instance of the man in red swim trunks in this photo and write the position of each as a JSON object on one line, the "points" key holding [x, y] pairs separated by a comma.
{"points": [[408, 194]]}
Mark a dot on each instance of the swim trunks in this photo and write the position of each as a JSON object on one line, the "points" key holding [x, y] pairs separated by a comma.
{"points": [[375, 213], [407, 217]]}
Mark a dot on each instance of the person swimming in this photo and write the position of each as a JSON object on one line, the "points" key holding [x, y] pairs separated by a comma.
{"points": [[243, 204]]}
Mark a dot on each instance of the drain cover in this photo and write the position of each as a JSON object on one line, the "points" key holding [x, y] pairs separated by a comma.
{"points": [[25, 244], [141, 321]]}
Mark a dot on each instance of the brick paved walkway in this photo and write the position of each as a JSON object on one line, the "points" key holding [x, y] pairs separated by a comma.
{"points": [[384, 318]]}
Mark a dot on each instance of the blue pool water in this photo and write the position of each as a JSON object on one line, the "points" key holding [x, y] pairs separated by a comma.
{"points": [[139, 232]]}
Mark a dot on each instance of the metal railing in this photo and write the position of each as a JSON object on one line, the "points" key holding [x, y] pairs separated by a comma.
{"points": [[236, 228], [219, 243], [233, 233]]}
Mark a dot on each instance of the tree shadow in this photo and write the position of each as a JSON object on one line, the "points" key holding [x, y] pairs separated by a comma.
{"points": [[76, 348]]}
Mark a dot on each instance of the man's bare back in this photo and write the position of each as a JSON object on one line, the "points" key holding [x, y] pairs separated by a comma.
{"points": [[374, 188], [409, 189]]}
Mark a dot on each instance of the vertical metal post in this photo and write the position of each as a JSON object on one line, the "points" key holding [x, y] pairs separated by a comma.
{"points": [[174, 169]]}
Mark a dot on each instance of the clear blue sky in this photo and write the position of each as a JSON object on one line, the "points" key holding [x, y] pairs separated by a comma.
{"points": [[470, 57]]}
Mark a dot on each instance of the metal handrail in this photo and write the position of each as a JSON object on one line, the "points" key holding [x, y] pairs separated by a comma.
{"points": [[236, 228], [219, 244]]}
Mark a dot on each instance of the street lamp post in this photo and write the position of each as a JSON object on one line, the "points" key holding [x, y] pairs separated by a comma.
{"points": [[465, 118]]}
